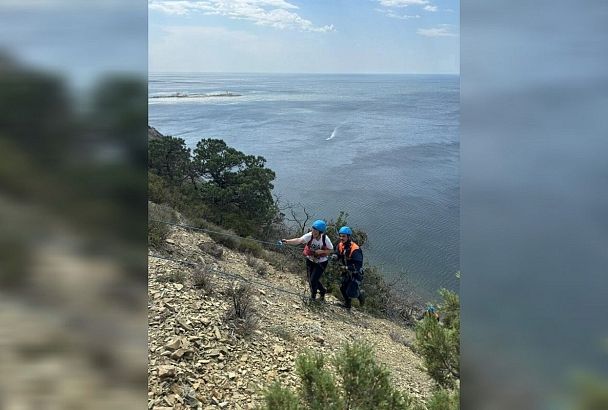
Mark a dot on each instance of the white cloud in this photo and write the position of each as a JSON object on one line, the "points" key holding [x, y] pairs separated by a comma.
{"points": [[272, 13], [392, 5], [392, 14], [403, 3], [443, 30], [170, 7]]}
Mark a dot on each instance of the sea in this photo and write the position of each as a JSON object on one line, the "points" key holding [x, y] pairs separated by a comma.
{"points": [[383, 148]]}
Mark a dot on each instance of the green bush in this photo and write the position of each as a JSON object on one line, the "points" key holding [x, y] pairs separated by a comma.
{"points": [[318, 388], [279, 398], [363, 384], [229, 242], [591, 391], [159, 191], [444, 400], [377, 292], [367, 384], [250, 246], [439, 343], [158, 231]]}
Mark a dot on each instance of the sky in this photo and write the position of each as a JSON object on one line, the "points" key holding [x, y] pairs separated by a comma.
{"points": [[78, 40], [304, 36]]}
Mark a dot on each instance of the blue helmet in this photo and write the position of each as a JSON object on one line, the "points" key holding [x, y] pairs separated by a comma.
{"points": [[319, 225], [345, 230]]}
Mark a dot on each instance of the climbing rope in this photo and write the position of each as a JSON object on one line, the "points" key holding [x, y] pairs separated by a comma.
{"points": [[278, 244]]}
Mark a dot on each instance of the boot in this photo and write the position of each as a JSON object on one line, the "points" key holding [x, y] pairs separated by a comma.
{"points": [[361, 298]]}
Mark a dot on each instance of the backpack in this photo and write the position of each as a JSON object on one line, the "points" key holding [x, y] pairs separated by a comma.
{"points": [[308, 251]]}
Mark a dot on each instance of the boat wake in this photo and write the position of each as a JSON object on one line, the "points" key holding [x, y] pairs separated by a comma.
{"points": [[333, 134]]}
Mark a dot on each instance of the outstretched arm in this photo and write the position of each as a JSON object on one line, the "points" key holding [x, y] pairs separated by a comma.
{"points": [[293, 241], [296, 241]]}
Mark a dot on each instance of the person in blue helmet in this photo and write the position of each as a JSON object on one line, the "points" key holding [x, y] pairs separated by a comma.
{"points": [[349, 254], [317, 248]]}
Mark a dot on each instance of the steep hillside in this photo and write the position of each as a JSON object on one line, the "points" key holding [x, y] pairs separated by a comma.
{"points": [[197, 360]]}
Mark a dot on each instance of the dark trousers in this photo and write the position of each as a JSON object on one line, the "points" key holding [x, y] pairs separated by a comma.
{"points": [[346, 280], [315, 270], [343, 287]]}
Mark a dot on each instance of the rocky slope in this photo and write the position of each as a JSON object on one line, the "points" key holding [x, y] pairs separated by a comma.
{"points": [[197, 360]]}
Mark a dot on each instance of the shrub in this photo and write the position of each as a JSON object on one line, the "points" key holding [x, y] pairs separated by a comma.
{"points": [[251, 247], [318, 388], [242, 314], [278, 398], [228, 241], [439, 344], [363, 384], [218, 234], [175, 277], [158, 231], [367, 384], [283, 262], [201, 278], [259, 267], [399, 338], [378, 297], [591, 391], [212, 249], [159, 191], [444, 400], [251, 261], [282, 333]]}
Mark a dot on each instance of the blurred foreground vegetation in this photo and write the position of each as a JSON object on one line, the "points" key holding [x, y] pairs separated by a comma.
{"points": [[78, 160], [72, 240]]}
